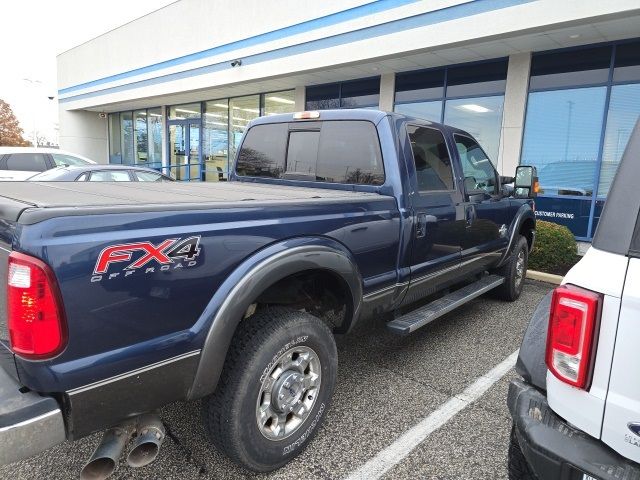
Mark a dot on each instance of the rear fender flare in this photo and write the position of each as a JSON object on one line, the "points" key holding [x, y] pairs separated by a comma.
{"points": [[226, 309]]}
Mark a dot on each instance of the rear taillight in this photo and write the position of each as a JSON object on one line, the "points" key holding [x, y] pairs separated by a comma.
{"points": [[573, 321], [34, 309]]}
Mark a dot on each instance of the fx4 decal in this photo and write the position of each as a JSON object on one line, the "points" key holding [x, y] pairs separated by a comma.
{"points": [[174, 251]]}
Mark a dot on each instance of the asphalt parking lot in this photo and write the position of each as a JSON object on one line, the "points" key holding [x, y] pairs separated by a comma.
{"points": [[386, 386]]}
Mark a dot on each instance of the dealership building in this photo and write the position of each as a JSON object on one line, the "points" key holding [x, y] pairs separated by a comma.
{"points": [[550, 83]]}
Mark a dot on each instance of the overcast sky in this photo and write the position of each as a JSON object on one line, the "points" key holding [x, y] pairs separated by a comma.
{"points": [[34, 31]]}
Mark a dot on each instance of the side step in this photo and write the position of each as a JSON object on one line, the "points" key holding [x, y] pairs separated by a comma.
{"points": [[415, 319]]}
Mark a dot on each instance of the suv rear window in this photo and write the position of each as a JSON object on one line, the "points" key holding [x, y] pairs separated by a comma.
{"points": [[341, 151]]}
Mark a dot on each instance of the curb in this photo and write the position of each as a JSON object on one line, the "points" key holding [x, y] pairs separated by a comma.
{"points": [[544, 277]]}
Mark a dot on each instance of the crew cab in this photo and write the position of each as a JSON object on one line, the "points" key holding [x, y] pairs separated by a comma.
{"points": [[576, 409], [124, 297]]}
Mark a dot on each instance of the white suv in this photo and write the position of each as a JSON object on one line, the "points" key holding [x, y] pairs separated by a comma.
{"points": [[20, 163], [576, 412]]}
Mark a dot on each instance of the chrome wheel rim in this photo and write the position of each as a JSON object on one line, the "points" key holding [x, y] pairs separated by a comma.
{"points": [[519, 268], [288, 392]]}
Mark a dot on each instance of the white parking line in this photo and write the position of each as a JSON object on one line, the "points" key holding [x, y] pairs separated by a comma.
{"points": [[398, 450]]}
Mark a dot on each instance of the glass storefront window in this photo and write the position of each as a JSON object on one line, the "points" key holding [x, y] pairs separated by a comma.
{"points": [[360, 93], [140, 137], [215, 147], [627, 66], [485, 78], [364, 93], [570, 68], [419, 86], [126, 137], [323, 97], [562, 139], [279, 102], [241, 110], [624, 111], [154, 120], [115, 145], [181, 112], [427, 110], [481, 117]]}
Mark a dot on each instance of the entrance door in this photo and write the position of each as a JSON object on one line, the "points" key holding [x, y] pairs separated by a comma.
{"points": [[185, 156]]}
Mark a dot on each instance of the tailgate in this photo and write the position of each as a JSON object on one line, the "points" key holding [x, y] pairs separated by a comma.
{"points": [[621, 427]]}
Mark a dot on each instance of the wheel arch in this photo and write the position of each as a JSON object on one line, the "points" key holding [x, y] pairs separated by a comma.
{"points": [[523, 223], [252, 278]]}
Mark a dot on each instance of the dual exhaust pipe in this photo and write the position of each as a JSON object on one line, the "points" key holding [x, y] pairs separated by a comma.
{"points": [[149, 434]]}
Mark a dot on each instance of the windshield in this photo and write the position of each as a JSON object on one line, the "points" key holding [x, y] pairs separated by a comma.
{"points": [[62, 160]]}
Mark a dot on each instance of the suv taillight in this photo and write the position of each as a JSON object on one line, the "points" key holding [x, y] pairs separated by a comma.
{"points": [[34, 309], [573, 321]]}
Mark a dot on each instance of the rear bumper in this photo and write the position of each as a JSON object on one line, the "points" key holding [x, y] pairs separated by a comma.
{"points": [[556, 450], [29, 423]]}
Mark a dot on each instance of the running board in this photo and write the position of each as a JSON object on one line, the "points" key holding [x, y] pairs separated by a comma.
{"points": [[420, 317]]}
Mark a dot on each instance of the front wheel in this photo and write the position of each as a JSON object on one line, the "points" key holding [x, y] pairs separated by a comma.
{"points": [[275, 389], [514, 271]]}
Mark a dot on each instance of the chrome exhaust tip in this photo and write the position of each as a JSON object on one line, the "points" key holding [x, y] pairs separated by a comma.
{"points": [[146, 445], [105, 458]]}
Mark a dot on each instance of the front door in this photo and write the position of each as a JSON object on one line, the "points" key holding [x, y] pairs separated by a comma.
{"points": [[485, 210], [438, 232], [184, 150]]}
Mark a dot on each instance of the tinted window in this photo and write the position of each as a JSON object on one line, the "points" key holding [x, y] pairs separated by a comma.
{"points": [[577, 67], [431, 158], [419, 86], [148, 176], [30, 162], [302, 155], [110, 176], [481, 79], [349, 152], [263, 151], [361, 93], [333, 151], [477, 169], [321, 97], [64, 160]]}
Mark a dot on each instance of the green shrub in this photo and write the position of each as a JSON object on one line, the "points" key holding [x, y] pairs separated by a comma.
{"points": [[555, 249]]}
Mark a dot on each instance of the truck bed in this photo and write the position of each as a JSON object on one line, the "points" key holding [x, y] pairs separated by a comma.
{"points": [[37, 201]]}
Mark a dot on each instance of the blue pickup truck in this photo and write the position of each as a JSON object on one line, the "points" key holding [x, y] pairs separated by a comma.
{"points": [[120, 298]]}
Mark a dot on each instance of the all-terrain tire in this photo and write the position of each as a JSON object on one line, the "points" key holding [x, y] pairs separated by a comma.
{"points": [[517, 463], [231, 414], [514, 271]]}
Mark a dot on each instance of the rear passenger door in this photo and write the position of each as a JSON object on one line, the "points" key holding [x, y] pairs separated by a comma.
{"points": [[439, 229], [485, 210], [20, 166]]}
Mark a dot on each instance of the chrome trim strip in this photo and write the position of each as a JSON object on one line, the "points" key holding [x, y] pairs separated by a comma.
{"points": [[30, 420], [5, 250], [138, 371]]}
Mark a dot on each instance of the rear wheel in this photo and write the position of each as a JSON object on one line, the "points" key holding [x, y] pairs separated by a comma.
{"points": [[518, 466], [514, 271], [275, 389]]}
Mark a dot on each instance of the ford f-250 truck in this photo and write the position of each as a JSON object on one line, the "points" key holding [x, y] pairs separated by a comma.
{"points": [[122, 298]]}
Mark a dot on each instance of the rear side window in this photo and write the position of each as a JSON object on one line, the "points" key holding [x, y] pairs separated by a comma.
{"points": [[30, 162], [431, 157], [148, 176], [331, 151], [262, 152], [64, 160], [110, 176]]}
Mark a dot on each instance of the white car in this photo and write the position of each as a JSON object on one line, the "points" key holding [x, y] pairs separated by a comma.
{"points": [[20, 163], [576, 411]]}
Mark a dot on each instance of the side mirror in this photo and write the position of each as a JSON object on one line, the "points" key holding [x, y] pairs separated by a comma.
{"points": [[526, 183]]}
